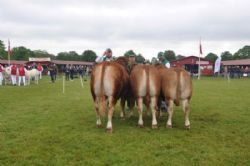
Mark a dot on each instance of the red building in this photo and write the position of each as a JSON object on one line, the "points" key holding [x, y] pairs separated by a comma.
{"points": [[191, 64]]}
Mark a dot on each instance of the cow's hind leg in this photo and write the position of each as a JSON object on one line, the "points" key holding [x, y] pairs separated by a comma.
{"points": [[98, 116], [112, 102], [170, 113], [186, 110], [140, 109], [122, 113], [153, 104]]}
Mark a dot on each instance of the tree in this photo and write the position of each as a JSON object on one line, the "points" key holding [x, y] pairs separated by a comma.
{"points": [[180, 57], [21, 53], [43, 54], [3, 53], [226, 55], [88, 55], [169, 55], [129, 52], [211, 57], [70, 56], [242, 53], [139, 58]]}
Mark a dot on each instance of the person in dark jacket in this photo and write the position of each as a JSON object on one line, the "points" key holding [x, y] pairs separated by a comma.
{"points": [[53, 72], [67, 71], [72, 70]]}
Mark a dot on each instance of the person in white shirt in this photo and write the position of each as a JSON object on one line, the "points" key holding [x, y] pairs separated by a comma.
{"points": [[107, 56]]}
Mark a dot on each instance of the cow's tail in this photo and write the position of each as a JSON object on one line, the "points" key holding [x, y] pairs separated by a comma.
{"points": [[147, 86], [102, 97], [178, 89]]}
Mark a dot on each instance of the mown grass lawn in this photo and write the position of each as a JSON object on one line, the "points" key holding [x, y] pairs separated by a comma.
{"points": [[41, 126]]}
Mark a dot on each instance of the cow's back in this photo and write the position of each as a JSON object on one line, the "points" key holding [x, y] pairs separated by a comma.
{"points": [[145, 80], [176, 84], [185, 83], [108, 79]]}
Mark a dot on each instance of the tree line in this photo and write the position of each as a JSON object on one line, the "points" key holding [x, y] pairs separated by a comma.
{"points": [[23, 53]]}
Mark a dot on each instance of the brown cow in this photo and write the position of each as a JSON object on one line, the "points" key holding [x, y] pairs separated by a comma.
{"points": [[109, 82], [145, 84], [176, 85]]}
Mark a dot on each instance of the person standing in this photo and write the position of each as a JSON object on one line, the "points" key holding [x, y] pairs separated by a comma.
{"points": [[107, 56], [80, 70], [21, 71], [55, 70], [40, 70], [66, 71], [163, 60], [52, 72], [13, 72], [1, 75], [72, 70]]}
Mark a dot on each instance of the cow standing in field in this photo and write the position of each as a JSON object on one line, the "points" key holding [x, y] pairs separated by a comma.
{"points": [[33, 73], [146, 84], [176, 85], [109, 82]]}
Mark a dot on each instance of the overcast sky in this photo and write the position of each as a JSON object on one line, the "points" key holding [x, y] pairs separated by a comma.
{"points": [[146, 26]]}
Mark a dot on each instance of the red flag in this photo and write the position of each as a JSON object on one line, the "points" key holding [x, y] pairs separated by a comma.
{"points": [[200, 49], [9, 50]]}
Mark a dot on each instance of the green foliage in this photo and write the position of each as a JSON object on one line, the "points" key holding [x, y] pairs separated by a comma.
{"points": [[139, 59], [129, 52], [168, 54], [3, 53], [71, 56], [43, 54], [211, 56], [180, 57], [21, 53], [89, 56], [243, 53], [41, 126], [226, 55]]}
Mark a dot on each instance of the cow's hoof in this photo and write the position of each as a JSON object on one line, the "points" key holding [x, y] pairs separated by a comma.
{"points": [[109, 130], [169, 126], [99, 126], [140, 125], [187, 127], [154, 127]]}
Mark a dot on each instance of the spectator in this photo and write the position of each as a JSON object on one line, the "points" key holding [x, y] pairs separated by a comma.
{"points": [[80, 70], [107, 56], [72, 70], [21, 71], [67, 71], [13, 74], [52, 72], [40, 70]]}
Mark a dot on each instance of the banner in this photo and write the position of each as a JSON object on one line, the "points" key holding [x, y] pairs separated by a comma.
{"points": [[217, 65]]}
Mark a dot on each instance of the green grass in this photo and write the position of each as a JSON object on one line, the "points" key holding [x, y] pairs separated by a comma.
{"points": [[41, 126]]}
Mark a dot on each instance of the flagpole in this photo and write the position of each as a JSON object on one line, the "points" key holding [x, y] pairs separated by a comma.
{"points": [[199, 67], [9, 52]]}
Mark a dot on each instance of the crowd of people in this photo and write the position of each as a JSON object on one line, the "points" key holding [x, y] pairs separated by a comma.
{"points": [[237, 71], [71, 71], [17, 72]]}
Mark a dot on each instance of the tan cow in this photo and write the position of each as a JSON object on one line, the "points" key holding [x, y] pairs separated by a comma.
{"points": [[109, 82], [145, 84], [176, 86]]}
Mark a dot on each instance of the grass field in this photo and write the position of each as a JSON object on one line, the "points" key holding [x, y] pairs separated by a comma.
{"points": [[41, 126]]}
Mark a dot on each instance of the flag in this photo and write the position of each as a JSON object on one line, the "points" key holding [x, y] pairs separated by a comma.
{"points": [[9, 50], [200, 49], [217, 65]]}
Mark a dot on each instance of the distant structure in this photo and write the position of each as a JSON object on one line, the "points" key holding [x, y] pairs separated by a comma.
{"points": [[191, 64]]}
